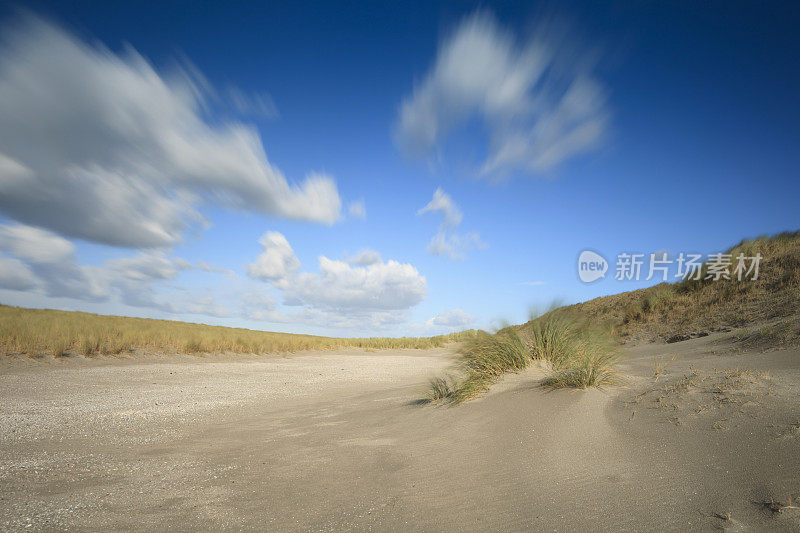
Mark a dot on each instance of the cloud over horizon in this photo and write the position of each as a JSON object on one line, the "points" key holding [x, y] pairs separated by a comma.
{"points": [[50, 259], [100, 146], [38, 261], [539, 101], [361, 288], [455, 318]]}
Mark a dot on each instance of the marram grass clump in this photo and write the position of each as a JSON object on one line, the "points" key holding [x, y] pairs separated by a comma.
{"points": [[581, 355], [440, 389], [596, 370]]}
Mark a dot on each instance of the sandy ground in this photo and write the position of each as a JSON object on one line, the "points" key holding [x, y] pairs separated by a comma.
{"points": [[337, 441]]}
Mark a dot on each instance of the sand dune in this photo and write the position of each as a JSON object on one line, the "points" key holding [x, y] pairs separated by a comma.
{"points": [[337, 441]]}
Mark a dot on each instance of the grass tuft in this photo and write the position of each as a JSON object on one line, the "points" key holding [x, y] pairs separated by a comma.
{"points": [[494, 355], [482, 360], [440, 390], [580, 354], [597, 370]]}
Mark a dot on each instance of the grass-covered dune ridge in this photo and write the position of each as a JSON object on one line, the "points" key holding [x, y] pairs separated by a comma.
{"points": [[578, 341], [44, 331], [688, 307]]}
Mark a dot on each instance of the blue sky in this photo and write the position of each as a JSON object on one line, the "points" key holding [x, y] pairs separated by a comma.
{"points": [[174, 161]]}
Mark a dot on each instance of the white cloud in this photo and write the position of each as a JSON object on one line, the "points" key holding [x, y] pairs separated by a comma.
{"points": [[455, 246], [258, 305], [205, 267], [442, 202], [538, 100], [447, 242], [134, 279], [376, 287], [34, 244], [455, 318], [102, 147], [51, 259], [150, 265], [277, 260], [363, 290], [358, 209], [365, 257], [46, 263], [16, 276]]}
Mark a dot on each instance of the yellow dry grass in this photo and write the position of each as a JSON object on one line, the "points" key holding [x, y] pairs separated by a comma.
{"points": [[691, 307], [43, 331]]}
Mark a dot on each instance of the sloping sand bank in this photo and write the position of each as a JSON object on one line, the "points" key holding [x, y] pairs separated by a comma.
{"points": [[336, 441]]}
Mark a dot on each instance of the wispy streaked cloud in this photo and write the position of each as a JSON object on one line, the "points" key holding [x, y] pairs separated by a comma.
{"points": [[259, 104], [51, 259], [538, 99], [46, 263], [16, 276], [103, 147]]}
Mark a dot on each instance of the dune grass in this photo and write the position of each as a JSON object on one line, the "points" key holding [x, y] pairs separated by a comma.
{"points": [[483, 359], [773, 335], [34, 332], [592, 370], [692, 306], [580, 355], [440, 389], [577, 340]]}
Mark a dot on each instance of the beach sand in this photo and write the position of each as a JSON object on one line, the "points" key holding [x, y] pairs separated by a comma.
{"points": [[702, 436]]}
